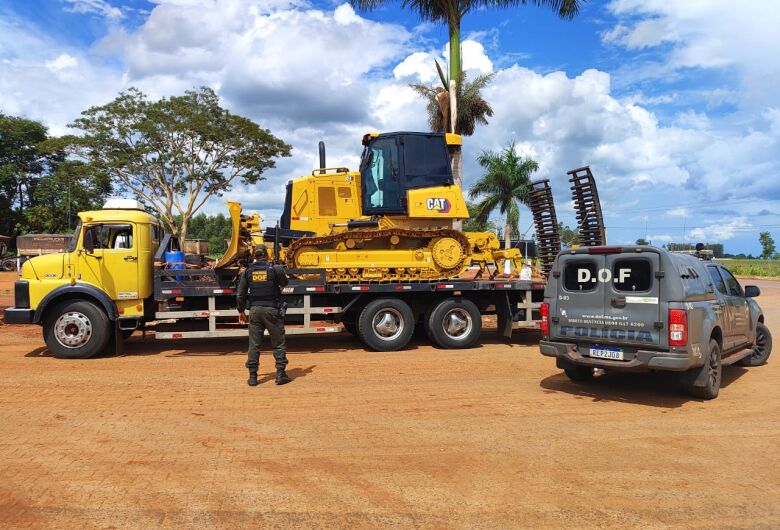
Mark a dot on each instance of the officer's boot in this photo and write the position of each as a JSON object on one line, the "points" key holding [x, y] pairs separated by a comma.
{"points": [[282, 378], [252, 381]]}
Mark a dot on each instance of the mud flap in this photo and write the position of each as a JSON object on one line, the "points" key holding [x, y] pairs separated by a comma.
{"points": [[119, 343], [698, 376], [503, 313]]}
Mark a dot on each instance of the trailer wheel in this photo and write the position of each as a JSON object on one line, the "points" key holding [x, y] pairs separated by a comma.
{"points": [[454, 323], [76, 330], [386, 324], [8, 265]]}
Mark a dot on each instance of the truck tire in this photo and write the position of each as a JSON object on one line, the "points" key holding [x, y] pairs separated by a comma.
{"points": [[8, 265], [579, 373], [76, 330], [454, 323], [714, 370], [763, 348], [386, 324]]}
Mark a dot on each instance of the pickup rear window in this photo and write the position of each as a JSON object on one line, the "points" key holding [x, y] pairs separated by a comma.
{"points": [[580, 276], [632, 275]]}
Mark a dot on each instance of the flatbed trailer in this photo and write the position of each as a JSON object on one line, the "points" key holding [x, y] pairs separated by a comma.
{"points": [[201, 303]]}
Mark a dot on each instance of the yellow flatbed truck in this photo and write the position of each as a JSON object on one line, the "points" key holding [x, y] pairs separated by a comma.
{"points": [[114, 279]]}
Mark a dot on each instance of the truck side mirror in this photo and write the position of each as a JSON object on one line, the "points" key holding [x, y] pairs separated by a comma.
{"points": [[89, 242], [751, 291]]}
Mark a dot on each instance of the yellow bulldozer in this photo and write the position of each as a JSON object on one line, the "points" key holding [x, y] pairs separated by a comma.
{"points": [[392, 220]]}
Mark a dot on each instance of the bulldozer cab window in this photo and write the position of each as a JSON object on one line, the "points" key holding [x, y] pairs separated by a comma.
{"points": [[381, 176], [426, 161]]}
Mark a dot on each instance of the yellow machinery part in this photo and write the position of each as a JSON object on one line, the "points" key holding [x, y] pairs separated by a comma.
{"points": [[245, 236], [417, 255]]}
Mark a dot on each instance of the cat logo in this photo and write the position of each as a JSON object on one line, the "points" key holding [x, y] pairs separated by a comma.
{"points": [[439, 204], [259, 276]]}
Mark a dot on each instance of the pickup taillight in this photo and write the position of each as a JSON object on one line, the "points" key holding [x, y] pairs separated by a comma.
{"points": [[545, 323], [678, 327]]}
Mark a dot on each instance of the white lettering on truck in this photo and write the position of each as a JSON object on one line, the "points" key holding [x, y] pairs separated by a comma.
{"points": [[603, 276]]}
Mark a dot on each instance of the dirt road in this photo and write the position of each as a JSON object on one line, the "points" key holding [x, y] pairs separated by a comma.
{"points": [[169, 435]]}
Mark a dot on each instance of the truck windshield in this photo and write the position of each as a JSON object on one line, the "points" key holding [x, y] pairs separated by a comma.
{"points": [[75, 239]]}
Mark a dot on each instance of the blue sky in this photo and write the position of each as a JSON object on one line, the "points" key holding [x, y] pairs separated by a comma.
{"points": [[673, 104]]}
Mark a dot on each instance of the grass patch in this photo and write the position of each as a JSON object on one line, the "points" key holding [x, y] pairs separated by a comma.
{"points": [[764, 268]]}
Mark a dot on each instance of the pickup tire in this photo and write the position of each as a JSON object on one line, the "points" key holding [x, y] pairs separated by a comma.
{"points": [[76, 330], [579, 373], [386, 324], [714, 369], [454, 323], [762, 349]]}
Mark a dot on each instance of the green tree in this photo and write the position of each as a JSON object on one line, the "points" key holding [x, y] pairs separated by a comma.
{"points": [[61, 194], [23, 162], [174, 153], [472, 224], [504, 186], [642, 241], [767, 245], [472, 107], [569, 236]]}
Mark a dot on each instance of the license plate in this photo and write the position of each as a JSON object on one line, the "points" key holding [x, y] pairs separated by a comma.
{"points": [[615, 354]]}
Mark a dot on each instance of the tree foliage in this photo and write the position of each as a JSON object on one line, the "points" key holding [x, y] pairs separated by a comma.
{"points": [[175, 153], [767, 245], [503, 186], [39, 187], [216, 229], [569, 236], [472, 109]]}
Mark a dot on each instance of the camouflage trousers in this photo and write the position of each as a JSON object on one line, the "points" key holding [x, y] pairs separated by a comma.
{"points": [[260, 319]]}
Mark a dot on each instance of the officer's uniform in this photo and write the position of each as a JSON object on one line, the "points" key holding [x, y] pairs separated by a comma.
{"points": [[258, 290]]}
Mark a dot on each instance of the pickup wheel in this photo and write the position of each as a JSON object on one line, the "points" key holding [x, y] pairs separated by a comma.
{"points": [[714, 370], [454, 323], [579, 373], [386, 324], [763, 348], [76, 330]]}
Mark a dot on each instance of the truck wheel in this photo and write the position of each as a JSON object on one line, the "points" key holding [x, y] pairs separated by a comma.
{"points": [[454, 323], [579, 373], [714, 370], [761, 350], [76, 330], [386, 324]]}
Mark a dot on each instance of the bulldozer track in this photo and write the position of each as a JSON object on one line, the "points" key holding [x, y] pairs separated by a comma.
{"points": [[424, 268]]}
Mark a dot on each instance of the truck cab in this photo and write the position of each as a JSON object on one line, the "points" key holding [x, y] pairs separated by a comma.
{"points": [[644, 309], [104, 277]]}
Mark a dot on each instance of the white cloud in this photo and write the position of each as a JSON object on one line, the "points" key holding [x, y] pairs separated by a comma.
{"points": [[62, 62], [707, 34], [99, 7], [678, 212], [719, 231]]}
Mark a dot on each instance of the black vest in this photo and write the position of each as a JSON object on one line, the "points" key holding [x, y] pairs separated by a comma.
{"points": [[263, 290]]}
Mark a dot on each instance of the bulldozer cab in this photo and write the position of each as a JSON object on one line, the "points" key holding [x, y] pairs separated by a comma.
{"points": [[394, 163]]}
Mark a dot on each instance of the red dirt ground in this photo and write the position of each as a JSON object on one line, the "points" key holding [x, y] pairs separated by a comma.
{"points": [[169, 435]]}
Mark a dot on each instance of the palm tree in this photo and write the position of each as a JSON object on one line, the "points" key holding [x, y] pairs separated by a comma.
{"points": [[504, 186], [452, 12], [472, 108]]}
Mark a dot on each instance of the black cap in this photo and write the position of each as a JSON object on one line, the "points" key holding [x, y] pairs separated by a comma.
{"points": [[261, 252]]}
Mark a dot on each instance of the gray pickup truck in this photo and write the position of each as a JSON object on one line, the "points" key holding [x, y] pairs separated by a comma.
{"points": [[642, 308]]}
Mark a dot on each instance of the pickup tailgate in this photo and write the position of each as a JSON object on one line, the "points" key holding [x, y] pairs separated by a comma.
{"points": [[608, 299]]}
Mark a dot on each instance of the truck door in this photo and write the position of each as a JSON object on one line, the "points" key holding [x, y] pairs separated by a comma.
{"points": [[580, 298], [723, 308], [631, 303], [113, 264], [740, 312]]}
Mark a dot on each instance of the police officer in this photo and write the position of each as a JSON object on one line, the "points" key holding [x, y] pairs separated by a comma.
{"points": [[259, 290]]}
